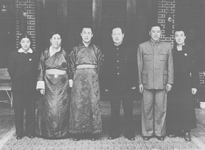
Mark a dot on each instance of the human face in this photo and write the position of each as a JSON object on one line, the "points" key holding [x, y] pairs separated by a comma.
{"points": [[180, 37], [117, 36], [86, 35], [55, 41], [25, 44], [155, 33]]}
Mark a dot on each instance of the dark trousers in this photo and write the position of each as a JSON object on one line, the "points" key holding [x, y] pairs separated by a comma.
{"points": [[24, 102], [127, 102]]}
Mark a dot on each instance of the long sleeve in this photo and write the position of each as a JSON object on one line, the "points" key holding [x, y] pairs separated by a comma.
{"points": [[194, 72], [69, 71], [72, 61], [134, 68], [41, 69], [170, 67], [100, 58], [140, 64]]}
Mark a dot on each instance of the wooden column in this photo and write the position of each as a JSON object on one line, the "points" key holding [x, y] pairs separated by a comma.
{"points": [[97, 21], [131, 20], [97, 14], [63, 22]]}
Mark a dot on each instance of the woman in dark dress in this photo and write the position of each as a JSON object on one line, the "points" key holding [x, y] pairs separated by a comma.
{"points": [[53, 83], [181, 111], [22, 70]]}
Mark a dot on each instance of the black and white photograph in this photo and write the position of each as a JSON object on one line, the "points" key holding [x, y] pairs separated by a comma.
{"points": [[102, 74]]}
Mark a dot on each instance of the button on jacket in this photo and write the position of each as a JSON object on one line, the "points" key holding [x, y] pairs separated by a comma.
{"points": [[22, 69], [120, 68], [155, 65]]}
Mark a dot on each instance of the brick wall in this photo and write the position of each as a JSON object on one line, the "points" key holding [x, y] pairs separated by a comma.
{"points": [[25, 20], [166, 9], [25, 14]]}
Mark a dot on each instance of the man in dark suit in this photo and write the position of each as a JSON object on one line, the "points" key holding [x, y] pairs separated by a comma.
{"points": [[120, 74], [155, 67]]}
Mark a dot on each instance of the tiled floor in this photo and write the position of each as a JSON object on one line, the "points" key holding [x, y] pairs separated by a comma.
{"points": [[6, 119], [7, 123]]}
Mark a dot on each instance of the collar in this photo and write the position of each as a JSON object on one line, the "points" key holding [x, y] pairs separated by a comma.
{"points": [[180, 47], [23, 51], [117, 45], [86, 44], [52, 51], [155, 43]]}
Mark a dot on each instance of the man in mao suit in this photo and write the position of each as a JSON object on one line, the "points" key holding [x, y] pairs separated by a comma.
{"points": [[155, 67], [120, 80]]}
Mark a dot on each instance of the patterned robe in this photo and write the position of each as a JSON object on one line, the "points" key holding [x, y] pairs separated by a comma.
{"points": [[53, 107], [85, 95]]}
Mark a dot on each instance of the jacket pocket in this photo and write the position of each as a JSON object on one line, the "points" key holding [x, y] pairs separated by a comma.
{"points": [[144, 77], [163, 56], [165, 76], [147, 56]]}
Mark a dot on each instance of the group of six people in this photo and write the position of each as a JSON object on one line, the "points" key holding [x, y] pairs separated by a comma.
{"points": [[69, 99]]}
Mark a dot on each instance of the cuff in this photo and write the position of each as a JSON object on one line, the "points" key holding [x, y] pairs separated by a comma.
{"points": [[40, 85], [70, 82]]}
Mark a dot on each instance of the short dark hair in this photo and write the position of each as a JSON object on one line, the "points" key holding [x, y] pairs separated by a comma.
{"points": [[25, 35], [179, 28], [86, 26], [155, 25], [53, 33], [121, 27]]}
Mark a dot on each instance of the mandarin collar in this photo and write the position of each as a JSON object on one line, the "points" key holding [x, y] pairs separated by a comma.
{"points": [[86, 45], [82, 44], [23, 51], [155, 43], [121, 45]]}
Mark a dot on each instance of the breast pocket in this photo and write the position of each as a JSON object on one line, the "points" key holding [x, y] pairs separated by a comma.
{"points": [[163, 56], [147, 56]]}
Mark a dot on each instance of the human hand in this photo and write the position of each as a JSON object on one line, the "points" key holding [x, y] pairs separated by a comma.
{"points": [[193, 90], [133, 88], [141, 88], [168, 87], [42, 91]]}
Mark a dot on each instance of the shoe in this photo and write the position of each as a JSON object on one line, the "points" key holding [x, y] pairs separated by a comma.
{"points": [[31, 136], [77, 137], [112, 137], [131, 138], [93, 137], [187, 136], [146, 138], [172, 135], [19, 137], [161, 138]]}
